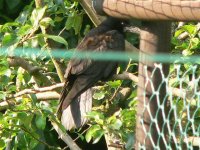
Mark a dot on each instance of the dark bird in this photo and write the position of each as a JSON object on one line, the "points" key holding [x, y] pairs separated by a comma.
{"points": [[82, 74]]}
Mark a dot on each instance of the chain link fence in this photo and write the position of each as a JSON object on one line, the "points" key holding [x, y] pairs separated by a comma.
{"points": [[179, 109]]}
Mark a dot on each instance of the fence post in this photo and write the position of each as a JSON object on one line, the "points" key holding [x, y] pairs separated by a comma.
{"points": [[154, 39]]}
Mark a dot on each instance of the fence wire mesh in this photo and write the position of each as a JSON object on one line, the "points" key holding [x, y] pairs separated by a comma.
{"points": [[180, 128]]}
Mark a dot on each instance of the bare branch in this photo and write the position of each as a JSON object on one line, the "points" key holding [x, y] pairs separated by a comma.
{"points": [[17, 98], [116, 145], [42, 94], [51, 95], [185, 35], [65, 137], [125, 76], [50, 88], [133, 29], [51, 92], [87, 6], [193, 140], [42, 90]]}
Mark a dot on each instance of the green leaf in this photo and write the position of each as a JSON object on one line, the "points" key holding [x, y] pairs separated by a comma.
{"points": [[88, 136], [87, 29], [2, 95], [20, 76], [26, 29], [74, 21], [58, 19], [11, 24], [69, 23], [21, 140], [114, 84], [25, 141], [11, 88], [114, 122], [191, 29], [1, 117], [194, 43], [37, 15], [97, 116], [25, 119], [187, 52], [46, 22], [9, 39], [182, 46], [128, 118], [57, 39], [2, 144], [178, 32], [95, 132], [97, 136], [33, 143], [41, 41], [3, 67], [80, 136], [99, 95], [40, 121], [78, 23]]}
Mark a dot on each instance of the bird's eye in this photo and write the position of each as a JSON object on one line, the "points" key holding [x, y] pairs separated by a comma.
{"points": [[124, 23]]}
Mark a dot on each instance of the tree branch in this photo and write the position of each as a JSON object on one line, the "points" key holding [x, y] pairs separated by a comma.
{"points": [[41, 91], [65, 137], [17, 98], [133, 29], [51, 92], [185, 35], [32, 70], [126, 76]]}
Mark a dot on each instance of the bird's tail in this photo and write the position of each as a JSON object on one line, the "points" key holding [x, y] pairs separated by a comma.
{"points": [[74, 116]]}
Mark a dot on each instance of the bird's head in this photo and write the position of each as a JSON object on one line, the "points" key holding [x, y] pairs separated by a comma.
{"points": [[115, 23]]}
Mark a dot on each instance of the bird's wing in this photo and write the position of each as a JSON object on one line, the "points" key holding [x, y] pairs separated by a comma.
{"points": [[111, 40]]}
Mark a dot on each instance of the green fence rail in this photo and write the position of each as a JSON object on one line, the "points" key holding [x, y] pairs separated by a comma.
{"points": [[120, 56]]}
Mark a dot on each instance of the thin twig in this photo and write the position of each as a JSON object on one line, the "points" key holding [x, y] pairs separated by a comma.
{"points": [[117, 90], [61, 31], [77, 138]]}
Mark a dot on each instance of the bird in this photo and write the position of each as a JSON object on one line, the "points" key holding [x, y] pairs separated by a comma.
{"points": [[82, 74]]}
